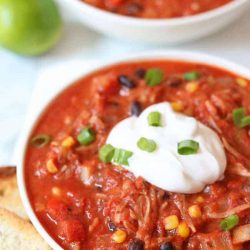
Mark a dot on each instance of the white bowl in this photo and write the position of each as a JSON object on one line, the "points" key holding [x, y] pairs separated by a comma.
{"points": [[156, 31], [33, 117]]}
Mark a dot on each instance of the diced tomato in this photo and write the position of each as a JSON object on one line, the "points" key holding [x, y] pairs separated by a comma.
{"points": [[71, 230], [106, 84], [57, 209]]}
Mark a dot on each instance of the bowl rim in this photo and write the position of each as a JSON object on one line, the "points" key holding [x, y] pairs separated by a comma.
{"points": [[170, 55], [148, 22]]}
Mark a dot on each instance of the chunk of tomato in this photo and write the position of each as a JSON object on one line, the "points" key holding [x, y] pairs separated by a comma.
{"points": [[106, 84], [71, 230], [57, 209]]}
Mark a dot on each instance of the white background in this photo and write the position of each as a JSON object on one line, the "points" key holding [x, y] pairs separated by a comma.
{"points": [[18, 74]]}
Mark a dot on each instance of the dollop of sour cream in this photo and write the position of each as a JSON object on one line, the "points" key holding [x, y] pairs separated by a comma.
{"points": [[165, 167]]}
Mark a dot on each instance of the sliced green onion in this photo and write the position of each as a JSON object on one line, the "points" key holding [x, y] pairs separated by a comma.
{"points": [[86, 136], [154, 77], [154, 119], [121, 156], [106, 153], [238, 115], [188, 147], [41, 140], [230, 222], [191, 76], [240, 119], [146, 145], [245, 122]]}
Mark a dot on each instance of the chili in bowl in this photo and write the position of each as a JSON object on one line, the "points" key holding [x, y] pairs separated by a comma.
{"points": [[148, 152], [157, 9], [169, 22]]}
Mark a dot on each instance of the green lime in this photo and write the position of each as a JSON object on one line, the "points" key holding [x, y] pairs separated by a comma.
{"points": [[29, 27]]}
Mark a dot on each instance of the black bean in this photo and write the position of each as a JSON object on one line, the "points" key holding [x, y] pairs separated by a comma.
{"points": [[126, 82], [140, 73], [174, 81], [167, 246], [136, 244], [111, 226], [135, 108]]}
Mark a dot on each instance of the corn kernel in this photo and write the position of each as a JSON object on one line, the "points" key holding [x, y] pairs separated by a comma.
{"points": [[242, 82], [51, 167], [200, 199], [119, 236], [194, 211], [171, 222], [191, 87], [56, 191], [183, 230], [68, 142], [177, 106]]}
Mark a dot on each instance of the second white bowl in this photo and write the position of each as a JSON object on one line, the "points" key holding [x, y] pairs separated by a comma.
{"points": [[156, 31]]}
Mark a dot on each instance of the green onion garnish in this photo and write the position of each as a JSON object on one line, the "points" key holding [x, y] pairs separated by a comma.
{"points": [[86, 136], [40, 141], [191, 76], [121, 156], [154, 119], [146, 145], [238, 115], [154, 77], [240, 119], [230, 222], [106, 153], [188, 147], [245, 122]]}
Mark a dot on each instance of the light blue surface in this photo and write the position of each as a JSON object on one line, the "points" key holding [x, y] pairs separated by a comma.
{"points": [[18, 74]]}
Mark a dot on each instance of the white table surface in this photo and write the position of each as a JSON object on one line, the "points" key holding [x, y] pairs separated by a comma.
{"points": [[18, 74]]}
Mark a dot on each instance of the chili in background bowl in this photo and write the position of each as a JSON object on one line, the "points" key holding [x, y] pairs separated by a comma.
{"points": [[176, 56], [157, 9], [156, 31]]}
